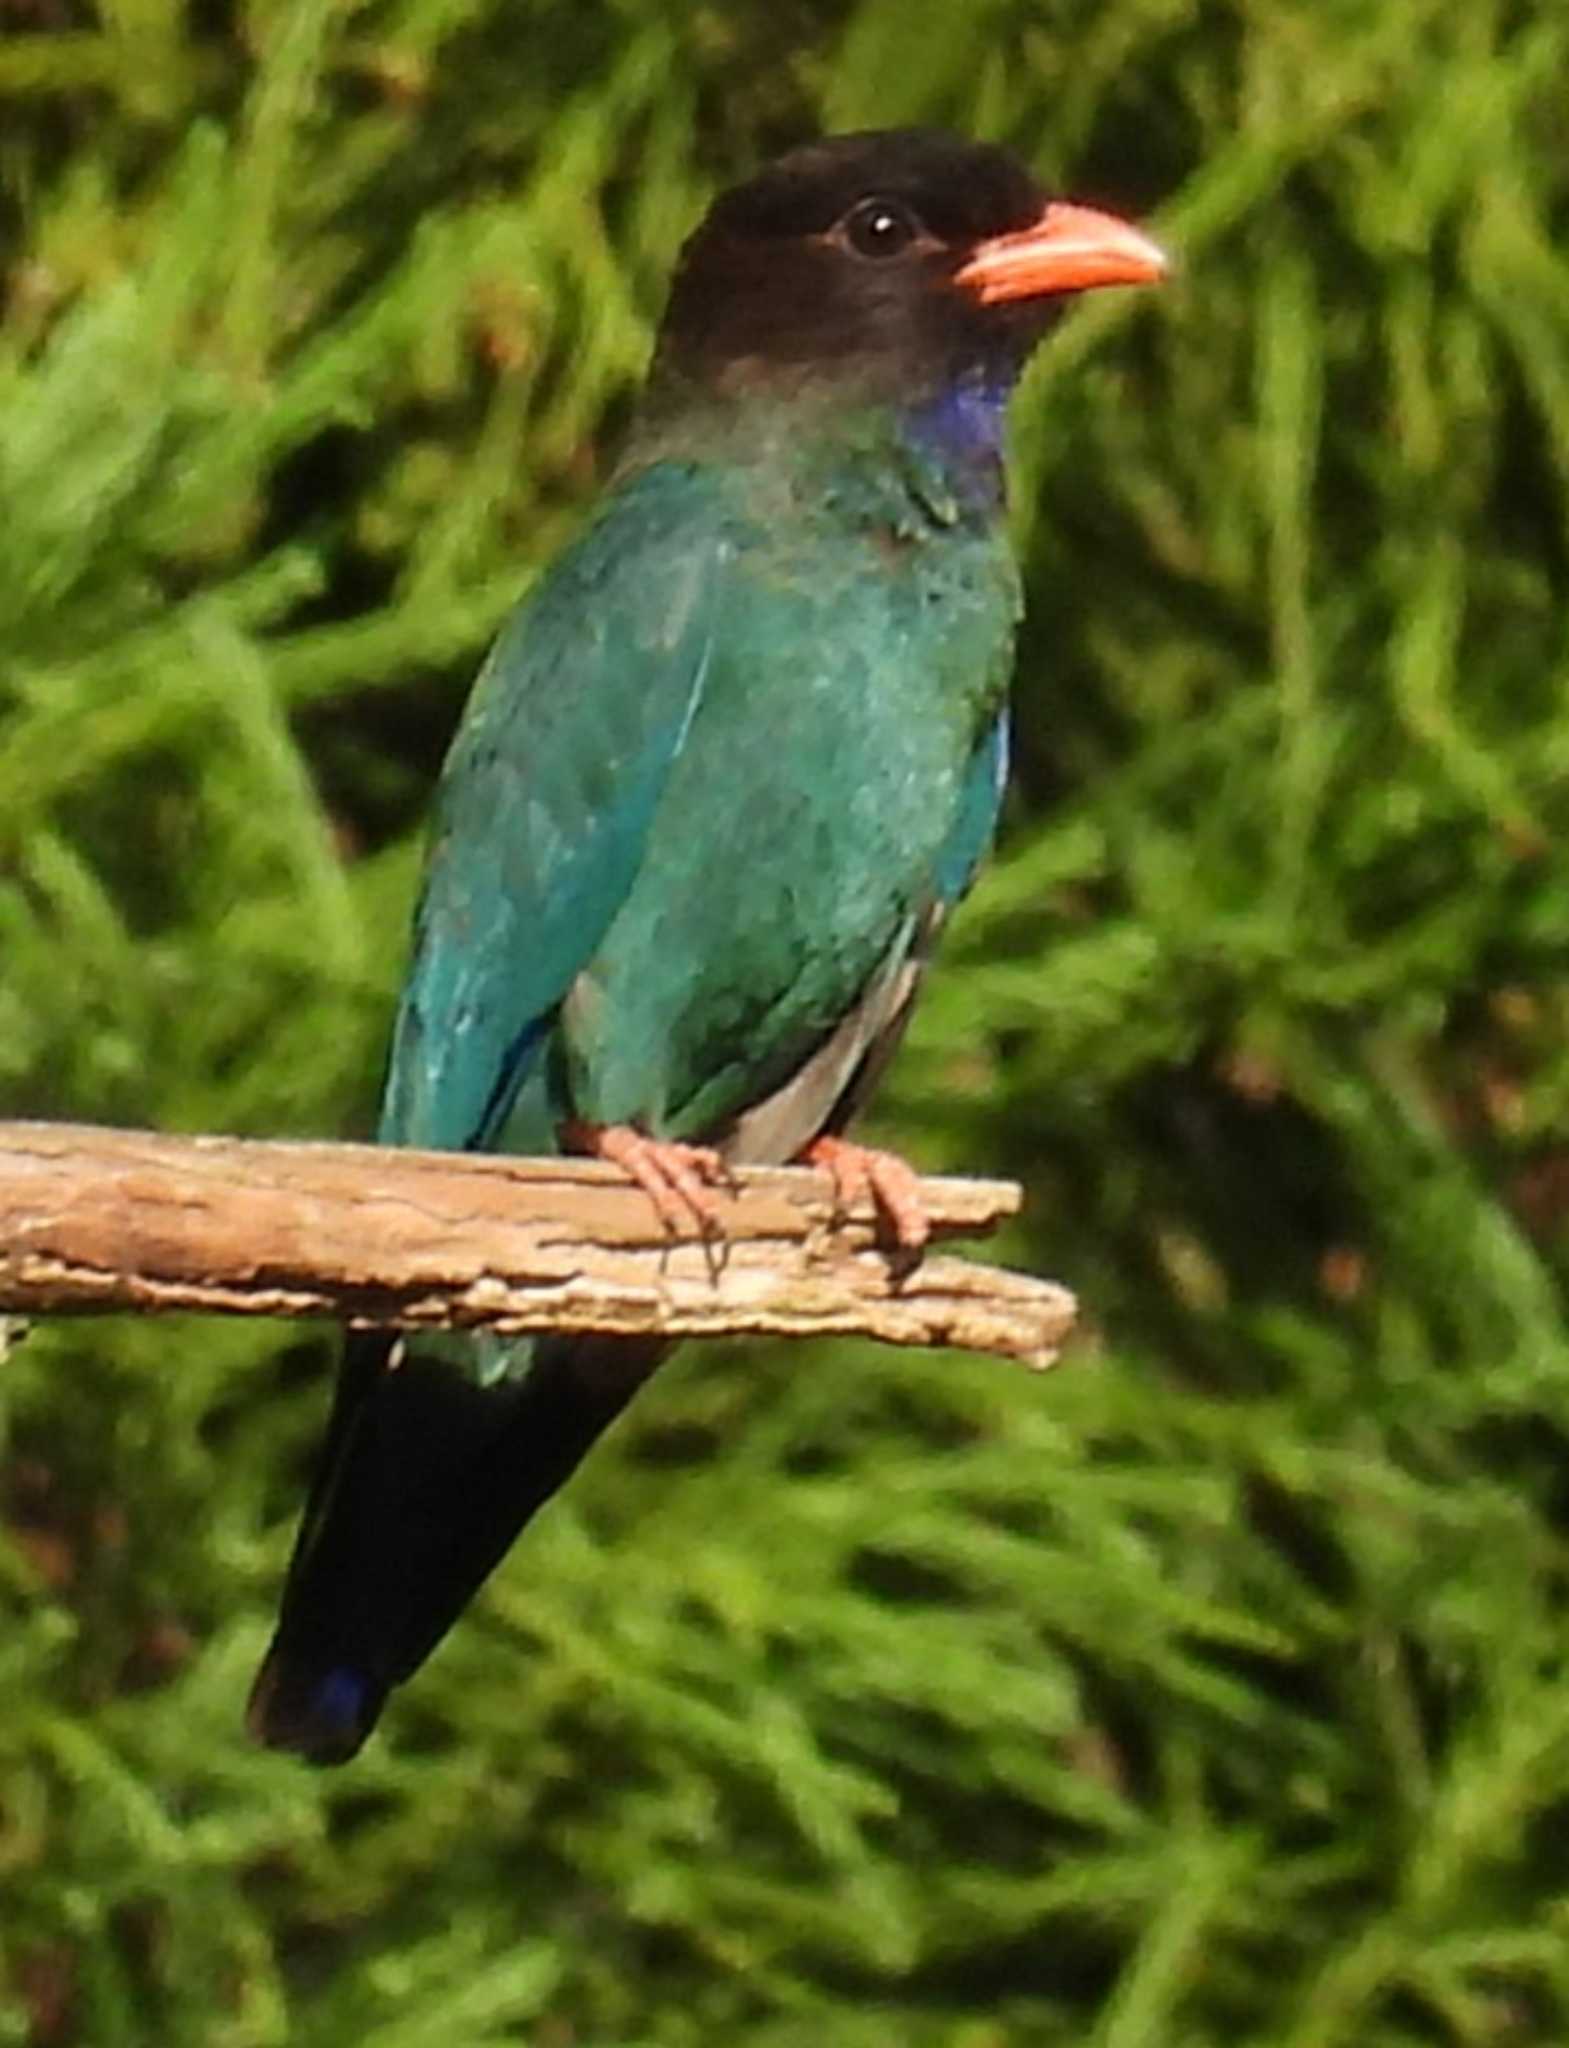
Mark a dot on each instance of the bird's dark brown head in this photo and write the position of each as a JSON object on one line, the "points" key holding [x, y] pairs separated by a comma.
{"points": [[901, 259]]}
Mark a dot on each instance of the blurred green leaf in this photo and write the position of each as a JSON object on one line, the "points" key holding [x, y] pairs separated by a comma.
{"points": [[1209, 1691]]}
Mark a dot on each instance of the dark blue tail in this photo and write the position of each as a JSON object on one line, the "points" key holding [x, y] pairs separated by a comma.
{"points": [[425, 1480]]}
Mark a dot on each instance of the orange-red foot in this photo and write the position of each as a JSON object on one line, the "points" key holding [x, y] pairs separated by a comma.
{"points": [[678, 1179], [894, 1185]]}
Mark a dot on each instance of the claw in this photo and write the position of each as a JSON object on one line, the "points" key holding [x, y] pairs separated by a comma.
{"points": [[678, 1179], [858, 1171]]}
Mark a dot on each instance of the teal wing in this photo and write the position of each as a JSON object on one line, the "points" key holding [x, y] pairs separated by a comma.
{"points": [[545, 803]]}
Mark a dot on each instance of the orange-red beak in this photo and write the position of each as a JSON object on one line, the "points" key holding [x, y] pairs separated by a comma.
{"points": [[1069, 249]]}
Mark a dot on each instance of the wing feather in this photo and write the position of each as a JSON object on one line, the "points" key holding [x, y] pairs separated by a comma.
{"points": [[545, 803]]}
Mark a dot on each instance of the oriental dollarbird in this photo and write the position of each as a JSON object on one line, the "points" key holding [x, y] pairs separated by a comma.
{"points": [[722, 779]]}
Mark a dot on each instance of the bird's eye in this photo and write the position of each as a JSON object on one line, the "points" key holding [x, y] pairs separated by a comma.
{"points": [[881, 227]]}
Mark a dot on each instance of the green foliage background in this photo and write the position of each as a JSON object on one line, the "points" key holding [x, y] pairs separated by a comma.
{"points": [[1212, 1691]]}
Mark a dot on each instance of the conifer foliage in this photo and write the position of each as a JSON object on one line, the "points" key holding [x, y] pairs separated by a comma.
{"points": [[1213, 1690]]}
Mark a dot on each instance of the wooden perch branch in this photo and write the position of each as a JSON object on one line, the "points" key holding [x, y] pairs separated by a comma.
{"points": [[94, 1219]]}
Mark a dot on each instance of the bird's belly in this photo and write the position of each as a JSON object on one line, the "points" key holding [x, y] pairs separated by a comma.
{"points": [[786, 858]]}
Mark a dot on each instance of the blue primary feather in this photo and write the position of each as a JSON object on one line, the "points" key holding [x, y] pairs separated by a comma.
{"points": [[979, 804]]}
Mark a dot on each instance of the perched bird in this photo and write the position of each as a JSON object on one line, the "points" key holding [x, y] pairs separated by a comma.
{"points": [[721, 780]]}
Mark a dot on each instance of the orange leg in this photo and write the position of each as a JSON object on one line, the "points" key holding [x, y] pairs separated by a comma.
{"points": [[678, 1179], [860, 1170]]}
